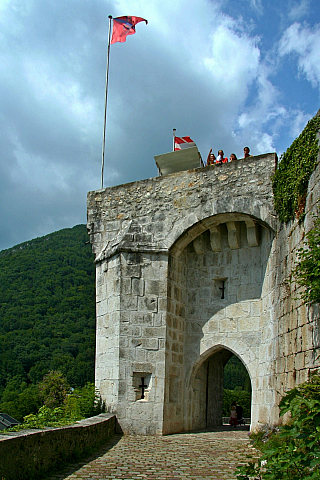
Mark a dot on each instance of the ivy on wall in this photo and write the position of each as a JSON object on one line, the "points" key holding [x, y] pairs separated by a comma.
{"points": [[307, 271], [290, 182]]}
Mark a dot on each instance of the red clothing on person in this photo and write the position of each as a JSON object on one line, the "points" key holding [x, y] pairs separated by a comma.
{"points": [[233, 421], [224, 160], [233, 416]]}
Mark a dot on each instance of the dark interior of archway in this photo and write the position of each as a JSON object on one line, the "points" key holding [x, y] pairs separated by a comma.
{"points": [[218, 398], [236, 386]]}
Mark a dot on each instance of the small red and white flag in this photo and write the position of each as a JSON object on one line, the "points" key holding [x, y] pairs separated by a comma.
{"points": [[124, 26], [181, 143]]}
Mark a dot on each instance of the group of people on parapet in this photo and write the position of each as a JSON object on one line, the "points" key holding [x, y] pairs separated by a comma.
{"points": [[213, 160]]}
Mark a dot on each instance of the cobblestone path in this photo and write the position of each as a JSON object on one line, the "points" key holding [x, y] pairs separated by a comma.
{"points": [[196, 456]]}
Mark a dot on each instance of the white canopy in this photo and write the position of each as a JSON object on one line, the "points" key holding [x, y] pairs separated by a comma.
{"points": [[180, 160]]}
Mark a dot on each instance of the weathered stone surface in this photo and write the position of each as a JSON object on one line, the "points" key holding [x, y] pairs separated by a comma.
{"points": [[198, 261], [31, 453]]}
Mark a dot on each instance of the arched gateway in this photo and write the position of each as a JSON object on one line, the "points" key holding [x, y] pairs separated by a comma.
{"points": [[187, 275]]}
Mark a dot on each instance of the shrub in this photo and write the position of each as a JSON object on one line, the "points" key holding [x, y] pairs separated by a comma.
{"points": [[54, 389], [81, 403], [292, 451], [85, 402], [46, 417]]}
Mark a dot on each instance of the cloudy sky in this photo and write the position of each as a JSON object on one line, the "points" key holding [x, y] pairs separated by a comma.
{"points": [[229, 73]]}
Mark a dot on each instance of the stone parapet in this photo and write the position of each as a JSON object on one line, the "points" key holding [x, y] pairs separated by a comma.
{"points": [[31, 453], [150, 215]]}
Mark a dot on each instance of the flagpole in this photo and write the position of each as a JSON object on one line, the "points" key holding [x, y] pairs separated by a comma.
{"points": [[174, 137], [105, 103]]}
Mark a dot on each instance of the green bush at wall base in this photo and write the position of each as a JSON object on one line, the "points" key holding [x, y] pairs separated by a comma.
{"points": [[292, 451]]}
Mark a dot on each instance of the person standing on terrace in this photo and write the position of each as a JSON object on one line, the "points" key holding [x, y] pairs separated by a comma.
{"points": [[220, 158], [246, 152], [211, 158]]}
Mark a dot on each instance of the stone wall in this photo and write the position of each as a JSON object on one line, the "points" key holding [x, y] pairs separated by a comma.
{"points": [[151, 215], [130, 341], [167, 250], [296, 326], [30, 454]]}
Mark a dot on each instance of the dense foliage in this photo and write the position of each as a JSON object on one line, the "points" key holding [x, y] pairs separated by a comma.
{"points": [[290, 182], [241, 397], [307, 271], [62, 405], [236, 376], [47, 314], [237, 387], [53, 389], [292, 451]]}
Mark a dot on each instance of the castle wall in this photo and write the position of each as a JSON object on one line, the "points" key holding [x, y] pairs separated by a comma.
{"points": [[175, 341], [165, 250], [108, 281], [153, 214], [131, 326], [296, 345]]}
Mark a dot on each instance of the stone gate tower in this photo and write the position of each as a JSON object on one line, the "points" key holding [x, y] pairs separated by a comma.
{"points": [[191, 269]]}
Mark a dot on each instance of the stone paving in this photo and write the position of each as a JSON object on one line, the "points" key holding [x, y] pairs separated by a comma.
{"points": [[196, 456]]}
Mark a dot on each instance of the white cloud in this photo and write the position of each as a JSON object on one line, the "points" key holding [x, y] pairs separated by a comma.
{"points": [[304, 42], [257, 6], [202, 45], [197, 66], [260, 122], [59, 89], [228, 50], [298, 10], [299, 120]]}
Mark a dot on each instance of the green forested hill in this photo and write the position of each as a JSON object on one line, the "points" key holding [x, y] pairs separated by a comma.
{"points": [[236, 375], [47, 311]]}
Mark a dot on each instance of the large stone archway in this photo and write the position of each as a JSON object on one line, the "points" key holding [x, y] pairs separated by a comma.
{"points": [[204, 404], [218, 287], [166, 249]]}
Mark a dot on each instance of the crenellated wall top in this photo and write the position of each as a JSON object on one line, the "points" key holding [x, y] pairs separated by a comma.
{"points": [[151, 215]]}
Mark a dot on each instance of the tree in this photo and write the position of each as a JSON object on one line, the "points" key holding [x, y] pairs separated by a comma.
{"points": [[54, 389]]}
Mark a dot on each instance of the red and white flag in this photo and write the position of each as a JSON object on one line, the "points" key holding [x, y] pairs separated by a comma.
{"points": [[124, 26], [183, 142]]}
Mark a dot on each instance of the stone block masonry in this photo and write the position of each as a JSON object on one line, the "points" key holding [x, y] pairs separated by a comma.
{"points": [[192, 268], [30, 454]]}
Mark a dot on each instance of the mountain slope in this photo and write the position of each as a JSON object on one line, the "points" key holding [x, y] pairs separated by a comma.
{"points": [[47, 309]]}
